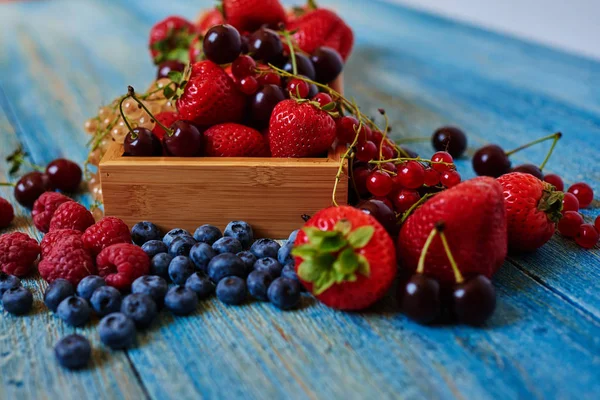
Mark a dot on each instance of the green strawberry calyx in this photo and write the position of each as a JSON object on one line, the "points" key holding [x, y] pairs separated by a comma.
{"points": [[332, 257], [551, 203], [179, 80]]}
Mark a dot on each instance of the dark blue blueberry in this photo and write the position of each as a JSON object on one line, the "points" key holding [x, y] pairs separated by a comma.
{"points": [[284, 255], [154, 247], [56, 292], [258, 283], [181, 246], [241, 231], [265, 248], [152, 285], [8, 282], [88, 285], [74, 310], [208, 234], [289, 271], [181, 300], [106, 300], [174, 233], [284, 293], [73, 351], [17, 301], [159, 265], [249, 259], [270, 265], [201, 284], [141, 308], [117, 331], [293, 236], [226, 264], [227, 245], [201, 254], [180, 269], [232, 290], [145, 231]]}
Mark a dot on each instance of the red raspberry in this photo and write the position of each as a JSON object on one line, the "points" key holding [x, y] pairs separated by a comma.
{"points": [[71, 215], [6, 213], [17, 253], [107, 231], [51, 239], [44, 208], [68, 260], [121, 264]]}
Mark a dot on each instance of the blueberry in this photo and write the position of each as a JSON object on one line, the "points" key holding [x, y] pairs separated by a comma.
{"points": [[180, 269], [17, 301], [181, 300], [117, 331], [258, 283], [106, 300], [73, 351], [200, 284], [284, 255], [284, 293], [154, 286], [144, 231], [181, 246], [173, 234], [270, 265], [201, 254], [141, 308], [265, 248], [8, 282], [74, 311], [241, 231], [227, 245], [293, 236], [56, 292], [88, 285], [226, 264], [154, 247], [208, 234], [231, 290], [159, 265], [289, 271], [249, 259]]}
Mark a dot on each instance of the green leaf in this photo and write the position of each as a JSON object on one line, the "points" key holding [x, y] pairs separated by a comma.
{"points": [[175, 76], [343, 226], [308, 271], [326, 280], [305, 251], [169, 92], [363, 266], [329, 106], [347, 262], [316, 236], [332, 244], [359, 237]]}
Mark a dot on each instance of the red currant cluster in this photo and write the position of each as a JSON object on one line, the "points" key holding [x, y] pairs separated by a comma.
{"points": [[572, 224]]}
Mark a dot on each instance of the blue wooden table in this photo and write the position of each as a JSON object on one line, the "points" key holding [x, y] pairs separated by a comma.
{"points": [[61, 59]]}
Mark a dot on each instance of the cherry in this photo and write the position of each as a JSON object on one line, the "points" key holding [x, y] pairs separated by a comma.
{"points": [[570, 203], [419, 299], [361, 174], [431, 177], [328, 64], [450, 139], [529, 169], [270, 78], [491, 160], [583, 192], [450, 178], [597, 223], [322, 98], [346, 129], [64, 175], [587, 237], [381, 212], [569, 224], [222, 44], [386, 201], [245, 44], [142, 142], [265, 45], [243, 66], [185, 140], [304, 66], [167, 66], [411, 175], [555, 181], [474, 301], [263, 103], [379, 183], [30, 187], [439, 158], [404, 199], [298, 88], [366, 151], [248, 85]]}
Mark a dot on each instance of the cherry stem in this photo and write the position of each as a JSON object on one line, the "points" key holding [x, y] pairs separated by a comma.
{"points": [[123, 115], [348, 154], [412, 208], [555, 136], [288, 39], [440, 226], [131, 93], [421, 264], [7, 184]]}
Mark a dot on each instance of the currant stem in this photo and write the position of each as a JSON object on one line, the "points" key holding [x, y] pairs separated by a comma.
{"points": [[412, 208], [424, 250], [557, 136], [403, 159], [131, 93], [540, 140], [440, 226], [384, 133]]}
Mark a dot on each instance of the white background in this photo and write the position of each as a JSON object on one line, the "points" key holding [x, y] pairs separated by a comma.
{"points": [[572, 25]]}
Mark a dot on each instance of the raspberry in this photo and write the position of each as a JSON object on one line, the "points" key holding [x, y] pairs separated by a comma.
{"points": [[68, 260], [17, 253], [6, 213], [107, 231], [52, 238], [44, 208], [71, 215], [121, 264]]}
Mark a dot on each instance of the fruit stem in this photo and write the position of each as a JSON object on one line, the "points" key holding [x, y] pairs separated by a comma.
{"points": [[424, 250], [540, 140], [7, 184], [131, 93], [557, 136], [440, 226], [288, 39], [414, 206], [384, 133], [124, 117], [346, 155], [399, 160], [312, 5]]}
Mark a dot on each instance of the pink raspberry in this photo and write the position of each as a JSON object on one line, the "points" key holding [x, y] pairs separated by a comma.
{"points": [[121, 264], [107, 231], [44, 208], [52, 238], [71, 215], [68, 260], [18, 252], [6, 213]]}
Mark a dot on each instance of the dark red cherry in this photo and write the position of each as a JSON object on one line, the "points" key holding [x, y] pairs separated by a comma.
{"points": [[304, 66], [64, 175], [529, 169], [491, 160], [30, 187], [186, 140], [141, 142], [450, 139], [222, 44], [474, 301], [419, 299], [265, 45], [328, 64], [382, 213], [263, 103]]}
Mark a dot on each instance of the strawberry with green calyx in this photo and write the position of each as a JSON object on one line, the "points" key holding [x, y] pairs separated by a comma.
{"points": [[345, 258], [170, 39], [249, 15], [234, 140]]}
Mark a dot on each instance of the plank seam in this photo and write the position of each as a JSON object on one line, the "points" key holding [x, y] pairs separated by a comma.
{"points": [[137, 375]]}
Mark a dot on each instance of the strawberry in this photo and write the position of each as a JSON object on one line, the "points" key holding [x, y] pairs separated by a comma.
{"points": [[234, 140], [166, 118], [300, 129], [533, 208], [475, 219], [209, 19], [345, 258], [170, 39], [249, 15]]}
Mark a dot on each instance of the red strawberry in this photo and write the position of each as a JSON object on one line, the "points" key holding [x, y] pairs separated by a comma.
{"points": [[209, 19], [345, 258], [249, 15], [533, 208], [475, 218], [300, 130], [170, 39], [234, 140], [210, 96], [166, 118], [196, 51], [322, 27]]}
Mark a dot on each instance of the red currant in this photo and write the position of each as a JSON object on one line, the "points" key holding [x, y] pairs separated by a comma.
{"points": [[345, 129], [248, 85], [411, 175], [587, 237], [439, 158], [555, 181], [597, 223], [366, 151], [270, 79], [361, 174], [387, 152], [569, 224], [405, 199], [365, 134], [379, 183], [450, 178], [583, 192], [298, 88], [432, 177], [376, 137], [390, 167], [570, 203], [322, 99], [243, 66]]}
